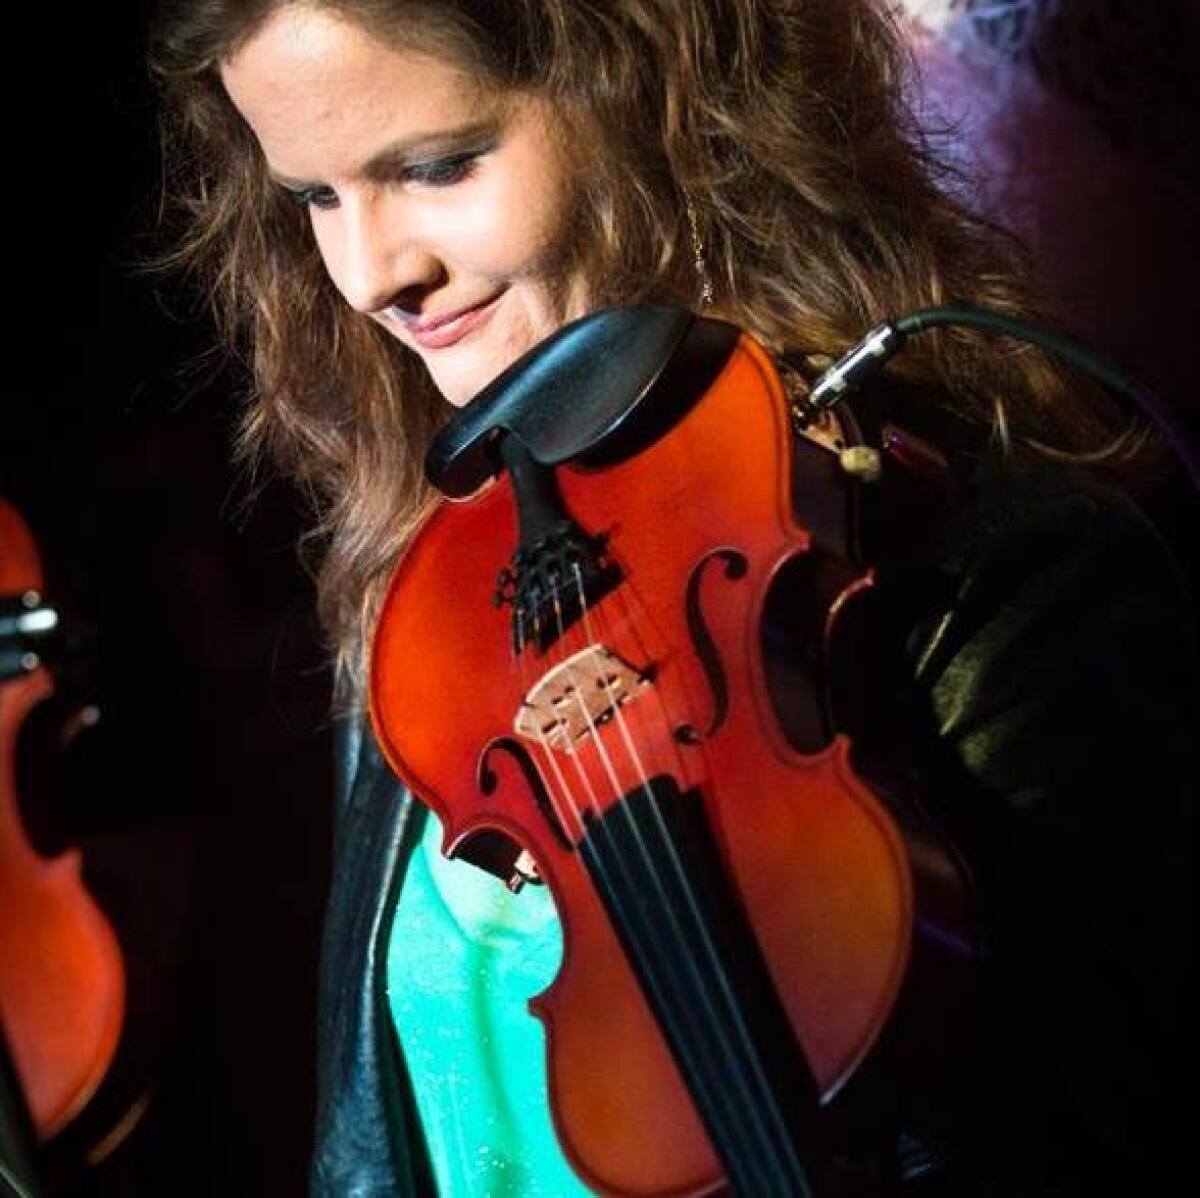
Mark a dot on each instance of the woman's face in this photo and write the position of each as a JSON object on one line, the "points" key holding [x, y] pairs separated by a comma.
{"points": [[442, 211]]}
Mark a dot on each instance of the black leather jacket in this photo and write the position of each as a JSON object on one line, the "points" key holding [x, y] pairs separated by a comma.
{"points": [[1043, 691]]}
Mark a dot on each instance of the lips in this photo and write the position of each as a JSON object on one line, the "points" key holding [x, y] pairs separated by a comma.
{"points": [[439, 332]]}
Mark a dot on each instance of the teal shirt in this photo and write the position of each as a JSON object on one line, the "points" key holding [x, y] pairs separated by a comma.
{"points": [[464, 957]]}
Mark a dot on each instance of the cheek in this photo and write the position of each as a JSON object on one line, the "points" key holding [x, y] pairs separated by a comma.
{"points": [[514, 226], [545, 221], [492, 236], [330, 246]]}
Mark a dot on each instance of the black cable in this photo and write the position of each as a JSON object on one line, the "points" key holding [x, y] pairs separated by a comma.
{"points": [[878, 347]]}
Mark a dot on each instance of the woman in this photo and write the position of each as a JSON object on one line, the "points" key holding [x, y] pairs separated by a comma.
{"points": [[390, 202]]}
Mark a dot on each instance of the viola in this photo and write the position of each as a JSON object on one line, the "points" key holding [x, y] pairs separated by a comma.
{"points": [[62, 981], [568, 668]]}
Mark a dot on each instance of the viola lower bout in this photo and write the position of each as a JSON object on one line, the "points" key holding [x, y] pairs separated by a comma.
{"points": [[737, 917]]}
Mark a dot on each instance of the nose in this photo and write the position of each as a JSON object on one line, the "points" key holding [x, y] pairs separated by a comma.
{"points": [[380, 262]]}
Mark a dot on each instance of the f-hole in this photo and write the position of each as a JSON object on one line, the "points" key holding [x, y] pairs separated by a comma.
{"points": [[736, 566]]}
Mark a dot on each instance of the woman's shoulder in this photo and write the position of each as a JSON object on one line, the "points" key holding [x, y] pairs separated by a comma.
{"points": [[1019, 503], [1058, 667], [1041, 555]]}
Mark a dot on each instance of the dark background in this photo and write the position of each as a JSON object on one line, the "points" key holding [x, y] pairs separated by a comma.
{"points": [[201, 799]]}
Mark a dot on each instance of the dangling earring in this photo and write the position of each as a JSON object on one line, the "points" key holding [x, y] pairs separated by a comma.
{"points": [[698, 258]]}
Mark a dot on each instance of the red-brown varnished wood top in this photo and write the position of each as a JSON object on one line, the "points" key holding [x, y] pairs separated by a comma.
{"points": [[817, 864]]}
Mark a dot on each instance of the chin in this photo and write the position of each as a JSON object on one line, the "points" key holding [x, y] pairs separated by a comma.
{"points": [[460, 388], [458, 392]]}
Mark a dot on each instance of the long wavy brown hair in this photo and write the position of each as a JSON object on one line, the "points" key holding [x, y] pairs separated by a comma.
{"points": [[821, 207]]}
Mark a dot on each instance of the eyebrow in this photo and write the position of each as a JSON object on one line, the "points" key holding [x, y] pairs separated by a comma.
{"points": [[382, 164]]}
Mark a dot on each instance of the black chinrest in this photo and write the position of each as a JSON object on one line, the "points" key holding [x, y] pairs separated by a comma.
{"points": [[582, 392]]}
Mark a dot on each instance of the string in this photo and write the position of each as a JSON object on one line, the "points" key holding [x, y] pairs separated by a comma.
{"points": [[518, 644], [723, 1097], [565, 788], [565, 798], [601, 828], [669, 851]]}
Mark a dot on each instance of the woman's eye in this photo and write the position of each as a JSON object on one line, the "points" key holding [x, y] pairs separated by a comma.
{"points": [[313, 197], [443, 172], [437, 172]]}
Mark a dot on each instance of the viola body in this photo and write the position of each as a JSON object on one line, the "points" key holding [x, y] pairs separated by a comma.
{"points": [[62, 981], [737, 916]]}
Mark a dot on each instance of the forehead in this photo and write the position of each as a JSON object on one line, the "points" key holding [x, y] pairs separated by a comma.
{"points": [[321, 94]]}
